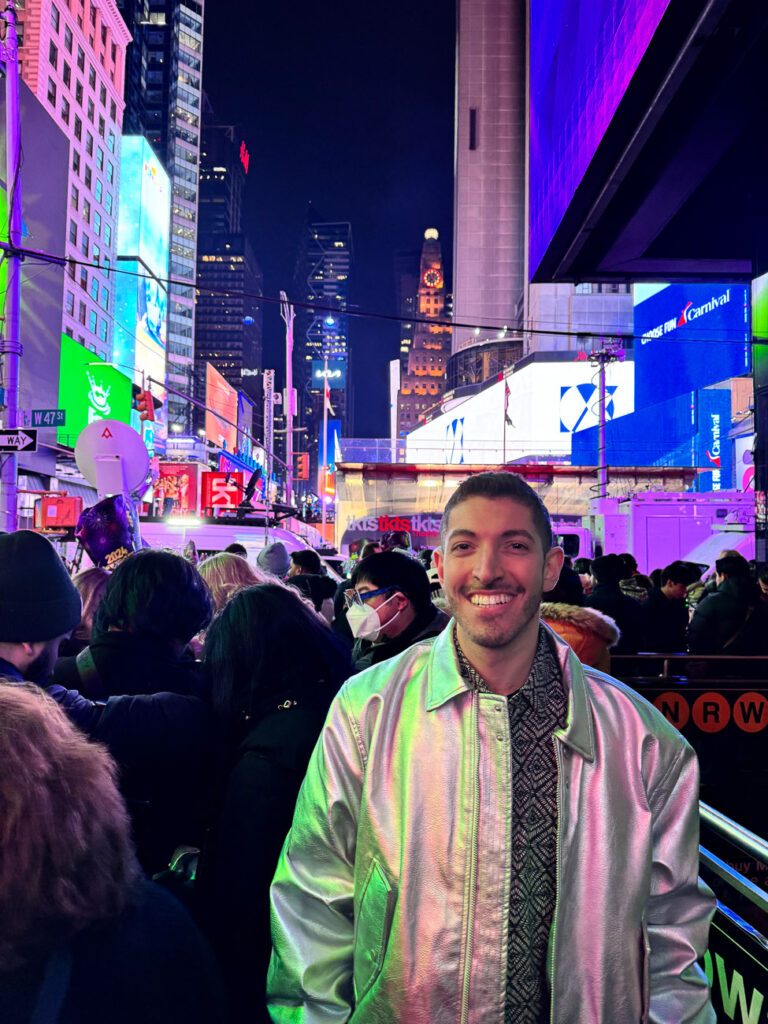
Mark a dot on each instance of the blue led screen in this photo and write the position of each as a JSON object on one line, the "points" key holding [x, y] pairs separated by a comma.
{"points": [[688, 336], [582, 58], [688, 430]]}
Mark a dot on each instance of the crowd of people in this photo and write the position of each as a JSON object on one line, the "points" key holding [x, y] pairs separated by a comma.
{"points": [[157, 723]]}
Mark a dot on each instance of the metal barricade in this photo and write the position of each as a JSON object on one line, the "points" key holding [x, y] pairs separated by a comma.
{"points": [[736, 962]]}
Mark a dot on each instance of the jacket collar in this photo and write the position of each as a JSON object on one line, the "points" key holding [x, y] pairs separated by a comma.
{"points": [[445, 681]]}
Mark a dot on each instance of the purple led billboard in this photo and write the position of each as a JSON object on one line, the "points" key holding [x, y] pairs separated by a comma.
{"points": [[582, 58]]}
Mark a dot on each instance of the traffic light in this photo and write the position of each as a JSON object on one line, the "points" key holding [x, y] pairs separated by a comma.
{"points": [[145, 405], [302, 466]]}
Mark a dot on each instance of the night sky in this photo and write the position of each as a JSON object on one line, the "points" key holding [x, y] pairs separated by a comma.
{"points": [[353, 111]]}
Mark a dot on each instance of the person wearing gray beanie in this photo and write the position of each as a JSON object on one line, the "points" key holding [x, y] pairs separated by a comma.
{"points": [[274, 559], [39, 605]]}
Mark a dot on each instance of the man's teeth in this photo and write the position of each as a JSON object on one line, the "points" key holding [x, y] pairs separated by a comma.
{"points": [[489, 599]]}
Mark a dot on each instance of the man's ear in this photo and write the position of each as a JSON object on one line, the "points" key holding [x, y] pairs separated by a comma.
{"points": [[553, 563], [438, 562]]}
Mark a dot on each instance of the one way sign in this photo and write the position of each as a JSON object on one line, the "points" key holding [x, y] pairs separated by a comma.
{"points": [[21, 440]]}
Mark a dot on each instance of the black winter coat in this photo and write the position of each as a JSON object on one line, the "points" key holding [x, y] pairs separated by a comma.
{"points": [[158, 725], [259, 792], [665, 623], [723, 624], [625, 612]]}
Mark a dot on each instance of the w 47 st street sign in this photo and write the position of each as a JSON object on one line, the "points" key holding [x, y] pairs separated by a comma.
{"points": [[19, 440]]}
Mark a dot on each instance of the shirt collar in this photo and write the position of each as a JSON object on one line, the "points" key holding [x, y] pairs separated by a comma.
{"points": [[544, 680]]}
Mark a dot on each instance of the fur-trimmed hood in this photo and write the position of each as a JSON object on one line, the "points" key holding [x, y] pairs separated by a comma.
{"points": [[589, 619]]}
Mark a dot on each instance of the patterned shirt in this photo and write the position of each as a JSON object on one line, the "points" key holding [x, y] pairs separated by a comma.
{"points": [[536, 710]]}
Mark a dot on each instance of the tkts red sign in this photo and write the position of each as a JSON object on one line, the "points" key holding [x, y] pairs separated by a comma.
{"points": [[422, 526]]}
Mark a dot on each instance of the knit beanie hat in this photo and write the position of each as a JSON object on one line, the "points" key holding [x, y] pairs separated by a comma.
{"points": [[38, 600], [274, 558], [609, 569]]}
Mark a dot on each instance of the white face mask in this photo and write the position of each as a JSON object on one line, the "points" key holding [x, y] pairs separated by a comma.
{"points": [[364, 621]]}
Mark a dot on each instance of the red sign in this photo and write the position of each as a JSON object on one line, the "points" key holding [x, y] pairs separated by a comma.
{"points": [[222, 490], [711, 712], [674, 707], [245, 157], [175, 492]]}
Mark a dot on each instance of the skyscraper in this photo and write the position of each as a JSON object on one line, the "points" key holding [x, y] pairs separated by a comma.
{"points": [[72, 56], [322, 273], [163, 103], [228, 314], [422, 386]]}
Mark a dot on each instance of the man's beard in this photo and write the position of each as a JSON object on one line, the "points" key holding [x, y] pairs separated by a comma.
{"points": [[495, 635]]}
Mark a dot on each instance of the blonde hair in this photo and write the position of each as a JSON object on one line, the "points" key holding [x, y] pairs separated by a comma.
{"points": [[91, 584], [226, 573], [66, 858]]}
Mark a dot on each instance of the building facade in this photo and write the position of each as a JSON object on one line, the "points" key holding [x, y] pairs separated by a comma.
{"points": [[423, 384], [164, 103], [322, 276], [72, 57]]}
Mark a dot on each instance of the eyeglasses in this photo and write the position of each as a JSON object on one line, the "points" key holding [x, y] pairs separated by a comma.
{"points": [[355, 597]]}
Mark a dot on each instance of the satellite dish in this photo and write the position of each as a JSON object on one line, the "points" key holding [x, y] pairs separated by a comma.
{"points": [[112, 457]]}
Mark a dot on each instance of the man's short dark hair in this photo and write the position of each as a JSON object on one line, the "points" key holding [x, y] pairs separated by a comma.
{"points": [[735, 566], [156, 593], [398, 571], [308, 561], [501, 485], [678, 572], [236, 549]]}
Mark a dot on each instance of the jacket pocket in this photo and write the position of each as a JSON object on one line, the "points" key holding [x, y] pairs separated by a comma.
{"points": [[372, 927]]}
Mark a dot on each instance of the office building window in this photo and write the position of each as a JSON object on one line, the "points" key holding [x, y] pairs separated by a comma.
{"points": [[68, 39], [92, 322], [74, 197], [95, 252], [99, 150], [96, 222], [92, 76], [78, 92], [87, 211], [91, 110], [78, 128], [54, 18], [73, 232], [94, 289], [108, 202], [70, 304], [80, 58], [65, 110], [84, 244], [87, 177], [101, 133], [105, 298], [103, 95], [110, 173], [66, 74], [84, 279], [97, 190], [75, 161], [111, 142], [107, 236], [81, 313], [103, 330], [53, 54], [89, 144], [113, 110], [51, 92]]}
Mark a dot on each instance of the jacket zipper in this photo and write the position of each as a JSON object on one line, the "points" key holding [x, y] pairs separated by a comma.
{"points": [[472, 867], [558, 862]]}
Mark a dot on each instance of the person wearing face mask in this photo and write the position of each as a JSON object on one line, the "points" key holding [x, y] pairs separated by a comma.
{"points": [[389, 608]]}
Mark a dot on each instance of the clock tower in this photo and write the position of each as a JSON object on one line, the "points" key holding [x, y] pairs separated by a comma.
{"points": [[423, 383]]}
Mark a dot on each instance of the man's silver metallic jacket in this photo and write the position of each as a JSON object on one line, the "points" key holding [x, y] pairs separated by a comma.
{"points": [[391, 899]]}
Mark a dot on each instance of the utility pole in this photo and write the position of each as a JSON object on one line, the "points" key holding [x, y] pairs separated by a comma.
{"points": [[269, 442], [10, 346], [610, 352], [289, 397], [326, 400]]}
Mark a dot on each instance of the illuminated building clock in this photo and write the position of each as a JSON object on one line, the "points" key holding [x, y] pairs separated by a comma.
{"points": [[433, 278]]}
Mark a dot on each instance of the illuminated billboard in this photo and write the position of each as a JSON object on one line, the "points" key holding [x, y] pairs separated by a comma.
{"points": [[89, 390], [335, 374], [221, 401], [145, 206], [688, 336], [582, 58], [534, 413]]}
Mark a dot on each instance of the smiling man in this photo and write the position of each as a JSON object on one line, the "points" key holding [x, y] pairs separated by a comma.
{"points": [[488, 830]]}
